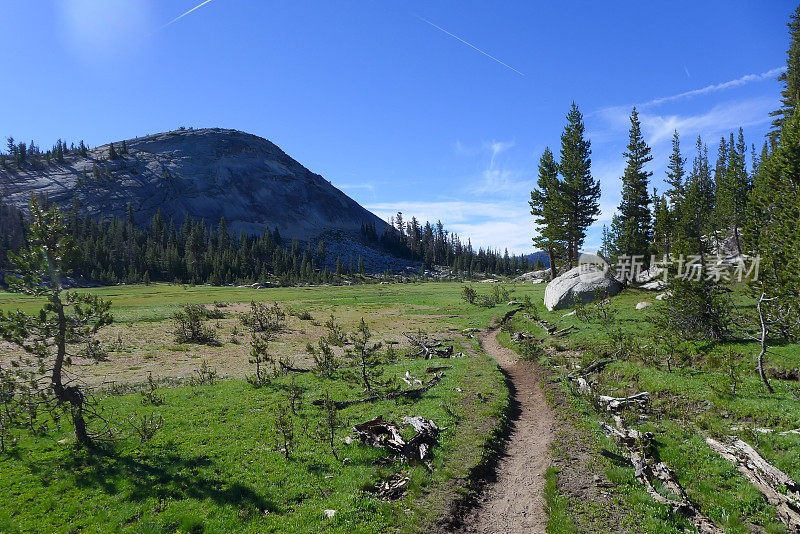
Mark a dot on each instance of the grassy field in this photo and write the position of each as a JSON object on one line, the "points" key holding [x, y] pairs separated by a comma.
{"points": [[691, 399], [217, 464]]}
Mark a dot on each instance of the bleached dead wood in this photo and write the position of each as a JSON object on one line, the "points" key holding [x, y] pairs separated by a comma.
{"points": [[647, 470], [594, 367], [386, 435], [780, 490], [427, 349], [393, 487], [613, 404], [389, 396]]}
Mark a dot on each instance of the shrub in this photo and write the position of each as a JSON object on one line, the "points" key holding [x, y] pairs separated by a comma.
{"points": [[264, 318], [469, 294], [190, 327], [530, 349], [260, 356], [325, 362]]}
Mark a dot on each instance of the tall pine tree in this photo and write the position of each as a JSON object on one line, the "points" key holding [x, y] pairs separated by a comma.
{"points": [[634, 209], [581, 191], [790, 78], [547, 208]]}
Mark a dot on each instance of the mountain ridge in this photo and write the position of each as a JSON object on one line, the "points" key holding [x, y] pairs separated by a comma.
{"points": [[207, 173]]}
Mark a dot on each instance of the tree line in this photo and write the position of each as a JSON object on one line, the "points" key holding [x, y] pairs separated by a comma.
{"points": [[116, 250], [432, 245], [750, 197]]}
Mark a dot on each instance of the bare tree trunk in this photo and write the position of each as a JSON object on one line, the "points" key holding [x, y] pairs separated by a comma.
{"points": [[763, 344], [552, 256], [67, 394]]}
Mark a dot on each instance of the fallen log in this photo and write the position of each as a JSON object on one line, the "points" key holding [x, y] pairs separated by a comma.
{"points": [[288, 367], [429, 350], [615, 403], [564, 331], [509, 314], [393, 487], [594, 367], [389, 396], [780, 490], [647, 470], [386, 435]]}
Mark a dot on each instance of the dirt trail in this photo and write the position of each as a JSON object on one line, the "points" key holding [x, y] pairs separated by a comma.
{"points": [[513, 501]]}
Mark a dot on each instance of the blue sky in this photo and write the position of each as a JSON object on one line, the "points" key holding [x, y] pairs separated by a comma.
{"points": [[438, 109]]}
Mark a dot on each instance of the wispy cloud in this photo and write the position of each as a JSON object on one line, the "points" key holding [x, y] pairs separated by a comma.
{"points": [[748, 78], [619, 114], [506, 65], [498, 147], [179, 17], [720, 119], [686, 70], [658, 127], [496, 178]]}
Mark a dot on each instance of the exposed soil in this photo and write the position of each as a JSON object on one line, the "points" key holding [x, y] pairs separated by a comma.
{"points": [[513, 500]]}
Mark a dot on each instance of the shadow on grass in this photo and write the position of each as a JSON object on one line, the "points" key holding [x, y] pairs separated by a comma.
{"points": [[159, 475]]}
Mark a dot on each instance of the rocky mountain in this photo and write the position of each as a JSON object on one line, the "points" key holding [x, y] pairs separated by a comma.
{"points": [[206, 173]]}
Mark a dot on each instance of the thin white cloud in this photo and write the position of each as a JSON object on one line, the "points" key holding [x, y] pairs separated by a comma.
{"points": [[748, 78], [506, 65], [619, 114], [498, 147], [658, 127], [686, 70], [720, 119], [179, 17], [496, 178]]}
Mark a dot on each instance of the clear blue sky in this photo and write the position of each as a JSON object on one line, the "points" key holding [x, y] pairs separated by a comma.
{"points": [[398, 113]]}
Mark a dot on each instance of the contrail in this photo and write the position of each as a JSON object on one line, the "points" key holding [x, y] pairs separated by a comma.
{"points": [[176, 19], [506, 65]]}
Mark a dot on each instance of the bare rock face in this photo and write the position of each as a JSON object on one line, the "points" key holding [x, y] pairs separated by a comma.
{"points": [[533, 275], [208, 173], [580, 283]]}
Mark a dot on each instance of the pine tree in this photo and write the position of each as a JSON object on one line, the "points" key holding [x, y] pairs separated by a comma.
{"points": [[675, 170], [634, 209], [790, 78], [112, 152], [547, 207], [366, 358], [662, 225], [733, 189], [67, 321], [581, 191]]}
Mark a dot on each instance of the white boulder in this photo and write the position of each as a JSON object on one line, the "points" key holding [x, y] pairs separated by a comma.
{"points": [[580, 283], [643, 305], [533, 275]]}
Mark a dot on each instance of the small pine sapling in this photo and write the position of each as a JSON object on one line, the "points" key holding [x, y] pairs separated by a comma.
{"points": [[329, 424], [366, 358], [325, 363]]}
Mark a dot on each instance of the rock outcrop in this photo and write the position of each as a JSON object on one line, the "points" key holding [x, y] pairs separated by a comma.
{"points": [[208, 173], [580, 283], [533, 275]]}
